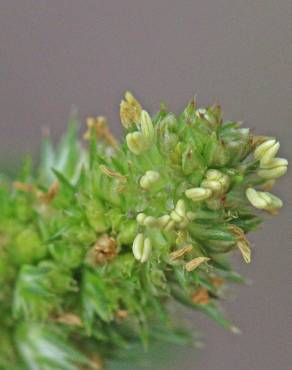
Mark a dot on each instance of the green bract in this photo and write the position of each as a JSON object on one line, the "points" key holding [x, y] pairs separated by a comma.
{"points": [[94, 246]]}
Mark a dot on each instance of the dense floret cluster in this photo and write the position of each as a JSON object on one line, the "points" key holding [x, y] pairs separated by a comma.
{"points": [[95, 245]]}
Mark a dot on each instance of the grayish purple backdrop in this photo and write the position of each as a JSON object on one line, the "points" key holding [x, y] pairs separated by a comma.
{"points": [[54, 54]]}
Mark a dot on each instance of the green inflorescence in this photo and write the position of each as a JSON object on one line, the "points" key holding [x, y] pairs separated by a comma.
{"points": [[97, 243]]}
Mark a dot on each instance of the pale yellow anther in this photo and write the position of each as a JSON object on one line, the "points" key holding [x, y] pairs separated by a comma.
{"points": [[255, 199], [213, 174], [176, 217], [136, 142], [198, 194], [269, 154], [179, 214], [170, 225], [149, 179], [266, 151], [217, 181], [273, 173], [141, 218], [147, 250], [150, 221], [262, 148], [138, 245], [275, 168], [264, 200], [145, 220], [163, 220], [141, 248], [214, 185], [181, 208]]}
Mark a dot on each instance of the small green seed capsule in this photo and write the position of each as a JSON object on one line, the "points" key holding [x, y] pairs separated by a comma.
{"points": [[128, 230]]}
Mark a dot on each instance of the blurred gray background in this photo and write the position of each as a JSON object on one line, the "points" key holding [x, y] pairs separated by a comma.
{"points": [[57, 53]]}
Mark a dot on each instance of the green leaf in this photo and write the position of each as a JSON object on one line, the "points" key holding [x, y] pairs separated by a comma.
{"points": [[96, 299], [45, 348]]}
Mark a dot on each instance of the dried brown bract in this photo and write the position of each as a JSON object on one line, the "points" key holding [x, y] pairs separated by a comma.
{"points": [[201, 296]]}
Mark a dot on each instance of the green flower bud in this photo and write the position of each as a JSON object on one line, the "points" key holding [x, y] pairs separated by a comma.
{"points": [[82, 234], [95, 216], [68, 255], [115, 216], [168, 141], [189, 111], [28, 248], [168, 121], [207, 115], [128, 230]]}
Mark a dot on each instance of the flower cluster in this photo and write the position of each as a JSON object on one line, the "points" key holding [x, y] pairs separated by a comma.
{"points": [[94, 244]]}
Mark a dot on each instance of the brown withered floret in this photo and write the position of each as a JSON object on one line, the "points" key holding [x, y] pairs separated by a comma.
{"points": [[53, 190], [104, 250], [100, 125], [44, 197]]}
